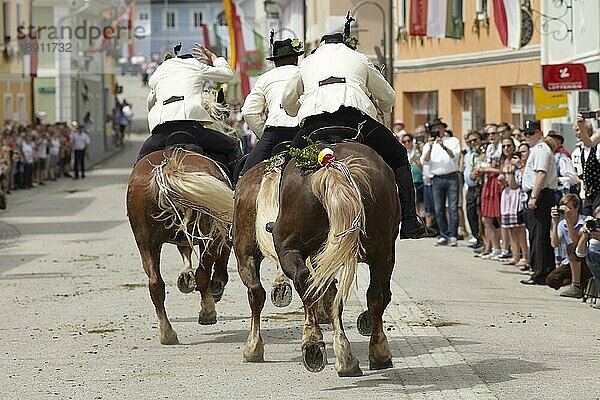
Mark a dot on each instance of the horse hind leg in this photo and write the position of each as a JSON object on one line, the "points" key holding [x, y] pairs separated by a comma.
{"points": [[378, 297], [346, 364], [156, 285], [314, 356], [208, 312], [186, 282], [249, 270], [220, 276], [281, 290]]}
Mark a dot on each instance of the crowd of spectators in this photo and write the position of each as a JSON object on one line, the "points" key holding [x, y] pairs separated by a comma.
{"points": [[528, 201], [34, 155]]}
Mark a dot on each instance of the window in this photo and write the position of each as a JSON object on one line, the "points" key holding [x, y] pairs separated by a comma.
{"points": [[20, 19], [401, 15], [473, 109], [521, 105], [425, 107], [170, 20], [143, 16], [8, 106], [197, 19], [21, 108], [6, 20]]}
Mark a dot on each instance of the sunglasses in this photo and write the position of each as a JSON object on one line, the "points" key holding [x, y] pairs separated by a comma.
{"points": [[506, 146], [528, 133], [407, 141], [491, 133]]}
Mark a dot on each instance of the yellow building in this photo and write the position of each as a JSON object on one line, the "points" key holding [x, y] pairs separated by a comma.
{"points": [[467, 81], [15, 86]]}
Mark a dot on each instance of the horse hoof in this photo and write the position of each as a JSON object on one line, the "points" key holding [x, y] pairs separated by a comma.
{"points": [[209, 319], [186, 282], [364, 323], [281, 294], [375, 365], [254, 358], [356, 371], [169, 338], [216, 288], [314, 357]]}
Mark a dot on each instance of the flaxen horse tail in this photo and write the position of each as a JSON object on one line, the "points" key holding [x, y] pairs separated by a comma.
{"points": [[267, 208], [185, 197], [338, 187]]}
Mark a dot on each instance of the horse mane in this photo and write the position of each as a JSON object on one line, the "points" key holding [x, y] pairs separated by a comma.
{"points": [[338, 188], [218, 112]]}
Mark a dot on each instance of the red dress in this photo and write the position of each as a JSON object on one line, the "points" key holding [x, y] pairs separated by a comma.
{"points": [[490, 196]]}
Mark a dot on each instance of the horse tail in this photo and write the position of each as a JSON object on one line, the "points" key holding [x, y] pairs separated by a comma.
{"points": [[267, 208], [186, 196], [338, 187]]}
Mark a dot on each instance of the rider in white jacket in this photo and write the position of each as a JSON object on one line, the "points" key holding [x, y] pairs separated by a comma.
{"points": [[262, 108], [340, 86], [175, 103]]}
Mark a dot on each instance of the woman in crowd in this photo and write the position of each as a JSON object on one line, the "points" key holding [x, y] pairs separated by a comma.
{"points": [[511, 205], [490, 194]]}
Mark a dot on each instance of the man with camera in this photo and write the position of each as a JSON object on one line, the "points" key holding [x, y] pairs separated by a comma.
{"points": [[590, 160], [567, 232], [539, 182], [442, 154], [589, 246]]}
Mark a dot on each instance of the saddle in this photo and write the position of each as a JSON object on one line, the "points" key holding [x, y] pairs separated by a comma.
{"points": [[335, 134], [184, 140]]}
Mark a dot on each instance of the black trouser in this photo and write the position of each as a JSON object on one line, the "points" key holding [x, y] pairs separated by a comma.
{"points": [[271, 137], [473, 201], [28, 175], [79, 163], [375, 135], [211, 141], [541, 253]]}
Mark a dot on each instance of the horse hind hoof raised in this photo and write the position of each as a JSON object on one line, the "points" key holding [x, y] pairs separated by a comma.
{"points": [[281, 294], [364, 323], [216, 288], [186, 282], [207, 319], [314, 356]]}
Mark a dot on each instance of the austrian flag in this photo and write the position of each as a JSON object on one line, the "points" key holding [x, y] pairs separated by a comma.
{"points": [[507, 16]]}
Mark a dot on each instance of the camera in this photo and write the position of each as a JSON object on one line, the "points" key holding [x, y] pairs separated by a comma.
{"points": [[589, 114], [434, 134], [561, 212], [593, 225]]}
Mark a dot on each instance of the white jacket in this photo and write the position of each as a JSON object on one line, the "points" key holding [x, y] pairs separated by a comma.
{"points": [[262, 106], [182, 77], [338, 61]]}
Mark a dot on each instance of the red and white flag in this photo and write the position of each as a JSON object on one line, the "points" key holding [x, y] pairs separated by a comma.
{"points": [[418, 18], [507, 16]]}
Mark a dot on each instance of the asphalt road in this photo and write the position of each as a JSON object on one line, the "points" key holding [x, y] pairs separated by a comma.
{"points": [[78, 321]]}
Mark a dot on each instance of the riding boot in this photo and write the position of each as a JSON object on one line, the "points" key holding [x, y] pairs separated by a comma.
{"points": [[232, 164], [412, 226]]}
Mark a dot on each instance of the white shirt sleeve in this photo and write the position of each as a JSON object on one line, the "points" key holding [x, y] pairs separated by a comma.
{"points": [[254, 109], [220, 71], [542, 161], [151, 100], [380, 88], [291, 95], [567, 169], [425, 149]]}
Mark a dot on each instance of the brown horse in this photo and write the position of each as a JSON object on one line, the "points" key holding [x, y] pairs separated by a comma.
{"points": [[335, 217], [185, 199]]}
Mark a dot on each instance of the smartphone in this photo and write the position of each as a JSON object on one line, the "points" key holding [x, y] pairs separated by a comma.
{"points": [[419, 139], [589, 114], [561, 211]]}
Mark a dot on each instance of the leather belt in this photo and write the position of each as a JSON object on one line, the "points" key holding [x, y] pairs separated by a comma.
{"points": [[172, 99], [446, 175], [331, 80]]}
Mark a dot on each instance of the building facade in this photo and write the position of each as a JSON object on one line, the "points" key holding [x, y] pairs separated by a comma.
{"points": [[76, 77], [15, 82], [570, 34], [167, 23], [467, 81]]}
